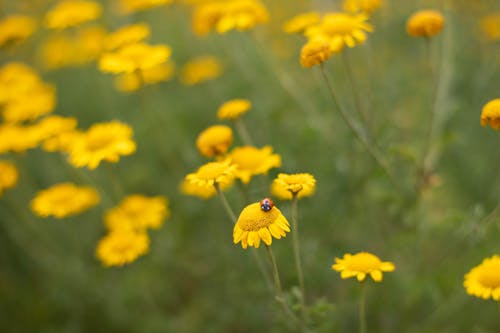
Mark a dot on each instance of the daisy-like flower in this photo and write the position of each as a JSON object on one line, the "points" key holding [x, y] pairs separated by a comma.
{"points": [[425, 23], [102, 142], [129, 34], [193, 189], [200, 70], [491, 114], [285, 186], [299, 23], [62, 141], [63, 200], [70, 13], [8, 176], [122, 247], [213, 174], [129, 82], [315, 52], [251, 161], [362, 264], [30, 105], [255, 224], [16, 29], [16, 79], [215, 140], [18, 139], [132, 6], [233, 109], [367, 6], [137, 212], [483, 281], [54, 125], [490, 25]]}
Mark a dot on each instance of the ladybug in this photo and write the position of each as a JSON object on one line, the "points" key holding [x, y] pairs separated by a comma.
{"points": [[266, 204]]}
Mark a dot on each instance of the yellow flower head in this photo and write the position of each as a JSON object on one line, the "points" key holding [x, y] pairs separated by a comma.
{"points": [[122, 247], [315, 52], [215, 140], [131, 6], [63, 200], [138, 213], [252, 161], [201, 69], [255, 224], [483, 281], [129, 34], [213, 173], [16, 81], [62, 141], [134, 57], [88, 44], [299, 23], [425, 23], [360, 265], [70, 13], [18, 138], [102, 142], [490, 25], [367, 6], [193, 189], [233, 109], [8, 175], [285, 186], [54, 125], [491, 114], [30, 105], [15, 29], [134, 81]]}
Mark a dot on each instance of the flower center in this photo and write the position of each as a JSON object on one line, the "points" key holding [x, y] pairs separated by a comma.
{"points": [[489, 275], [252, 218], [100, 141], [363, 262]]}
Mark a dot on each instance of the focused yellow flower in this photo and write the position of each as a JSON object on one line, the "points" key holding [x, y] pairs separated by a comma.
{"points": [[255, 224], [30, 105], [70, 13], [134, 81], [134, 57], [490, 25], [251, 161], [63, 200], [102, 142], [122, 247], [425, 23], [234, 109], [8, 176], [286, 186], [362, 264], [299, 23], [129, 34], [315, 52], [491, 114], [367, 6], [215, 140], [131, 6], [138, 213], [201, 69], [213, 174], [15, 29], [483, 281], [196, 190]]}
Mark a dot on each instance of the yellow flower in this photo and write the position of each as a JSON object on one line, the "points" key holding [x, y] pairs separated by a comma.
{"points": [[215, 140], [233, 109], [102, 142], [122, 247], [285, 186], [213, 173], [89, 44], [131, 6], [367, 6], [63, 200], [360, 265], [490, 25], [129, 34], [16, 80], [30, 105], [18, 139], [134, 81], [425, 23], [70, 13], [254, 225], [491, 114], [57, 51], [201, 69], [134, 57], [196, 190], [8, 175], [252, 161], [15, 29], [62, 141], [54, 125], [138, 213], [299, 23], [315, 52], [483, 281]]}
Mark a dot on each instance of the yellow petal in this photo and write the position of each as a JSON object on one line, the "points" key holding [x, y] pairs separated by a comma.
{"points": [[266, 236], [376, 275]]}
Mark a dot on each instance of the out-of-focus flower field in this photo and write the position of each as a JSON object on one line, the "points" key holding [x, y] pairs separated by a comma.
{"points": [[250, 166]]}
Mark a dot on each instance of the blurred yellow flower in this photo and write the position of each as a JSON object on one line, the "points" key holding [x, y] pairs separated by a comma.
{"points": [[490, 25], [362, 264], [134, 57], [196, 190], [15, 29], [102, 142], [213, 174], [18, 138], [285, 186], [367, 6], [70, 13], [491, 114], [8, 175], [57, 51], [63, 200], [131, 6], [215, 140], [62, 141], [134, 81], [299, 23], [251, 161], [315, 52], [201, 69], [89, 44], [138, 213], [233, 109], [38, 101], [16, 80], [54, 125], [254, 225], [129, 34], [122, 247], [483, 281], [425, 23]]}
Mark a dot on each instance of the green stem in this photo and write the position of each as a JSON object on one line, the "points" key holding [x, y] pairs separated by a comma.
{"points": [[243, 132], [357, 102], [296, 252], [225, 203], [362, 309]]}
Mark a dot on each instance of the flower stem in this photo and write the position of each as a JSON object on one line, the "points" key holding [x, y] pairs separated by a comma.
{"points": [[225, 203], [357, 103], [243, 132], [362, 309], [296, 252]]}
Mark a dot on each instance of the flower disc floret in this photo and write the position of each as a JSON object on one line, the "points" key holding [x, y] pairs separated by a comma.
{"points": [[483, 281], [425, 23], [70, 13], [362, 264], [233, 109], [491, 114], [315, 52], [251, 161], [122, 247], [215, 140]]}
